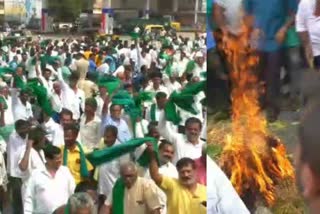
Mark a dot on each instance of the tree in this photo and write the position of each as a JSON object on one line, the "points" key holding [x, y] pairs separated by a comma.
{"points": [[65, 10]]}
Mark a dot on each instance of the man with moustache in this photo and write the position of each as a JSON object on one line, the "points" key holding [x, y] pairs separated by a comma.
{"points": [[166, 153], [50, 187], [184, 195], [187, 145]]}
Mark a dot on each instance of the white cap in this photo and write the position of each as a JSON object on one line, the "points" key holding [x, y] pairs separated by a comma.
{"points": [[199, 54]]}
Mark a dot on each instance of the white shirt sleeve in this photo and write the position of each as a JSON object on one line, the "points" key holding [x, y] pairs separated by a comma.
{"points": [[222, 197], [301, 16], [71, 182], [28, 199], [164, 130]]}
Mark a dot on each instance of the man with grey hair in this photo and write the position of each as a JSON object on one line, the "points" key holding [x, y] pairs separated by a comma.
{"points": [[81, 203], [139, 195]]}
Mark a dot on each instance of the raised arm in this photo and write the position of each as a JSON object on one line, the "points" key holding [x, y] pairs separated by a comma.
{"points": [[164, 130], [24, 163], [153, 167]]}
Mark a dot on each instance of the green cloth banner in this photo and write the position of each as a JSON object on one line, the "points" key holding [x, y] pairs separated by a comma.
{"points": [[185, 100], [108, 154], [111, 83], [118, 197]]}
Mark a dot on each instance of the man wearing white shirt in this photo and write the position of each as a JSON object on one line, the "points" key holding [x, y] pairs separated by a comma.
{"points": [[8, 114], [188, 145], [166, 153], [156, 86], [153, 112], [104, 68], [16, 144], [200, 65], [307, 25], [110, 172], [90, 126], [32, 156], [21, 106], [72, 97], [56, 98], [53, 130], [171, 82], [46, 81], [51, 187], [222, 197]]}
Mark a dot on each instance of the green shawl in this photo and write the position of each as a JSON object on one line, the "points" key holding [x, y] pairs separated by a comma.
{"points": [[83, 164], [153, 113], [119, 187], [118, 197], [184, 100], [108, 154]]}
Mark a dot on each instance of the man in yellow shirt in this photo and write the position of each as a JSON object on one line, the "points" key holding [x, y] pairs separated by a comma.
{"points": [[74, 155], [184, 195]]}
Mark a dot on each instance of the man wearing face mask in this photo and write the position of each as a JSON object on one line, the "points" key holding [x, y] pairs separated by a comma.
{"points": [[187, 145], [184, 195], [133, 194]]}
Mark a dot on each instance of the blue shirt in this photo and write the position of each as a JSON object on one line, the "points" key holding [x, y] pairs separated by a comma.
{"points": [[92, 66], [124, 133], [210, 40], [270, 16]]}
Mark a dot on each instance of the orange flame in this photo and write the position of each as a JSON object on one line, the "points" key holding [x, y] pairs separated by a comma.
{"points": [[253, 160]]}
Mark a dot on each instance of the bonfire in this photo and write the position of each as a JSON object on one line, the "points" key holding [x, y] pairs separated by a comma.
{"points": [[253, 159]]}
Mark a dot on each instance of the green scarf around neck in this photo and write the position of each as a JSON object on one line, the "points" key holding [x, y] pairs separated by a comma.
{"points": [[119, 187], [83, 163], [153, 113], [118, 197]]}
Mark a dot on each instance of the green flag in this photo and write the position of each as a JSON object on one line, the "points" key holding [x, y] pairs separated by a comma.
{"points": [[109, 82], [184, 100], [108, 154]]}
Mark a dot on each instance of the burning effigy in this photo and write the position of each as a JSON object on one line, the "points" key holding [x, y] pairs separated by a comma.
{"points": [[253, 159]]}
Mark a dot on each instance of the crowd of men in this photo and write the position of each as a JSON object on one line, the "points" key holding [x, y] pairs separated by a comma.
{"points": [[105, 126]]}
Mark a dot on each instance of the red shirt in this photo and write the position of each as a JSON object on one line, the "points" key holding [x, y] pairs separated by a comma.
{"points": [[201, 170]]}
